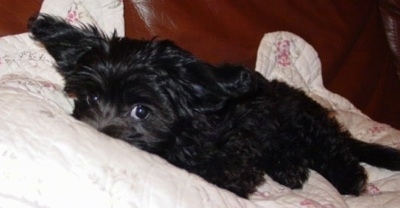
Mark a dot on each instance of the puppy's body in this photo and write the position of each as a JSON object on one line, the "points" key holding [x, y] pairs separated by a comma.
{"points": [[227, 124]]}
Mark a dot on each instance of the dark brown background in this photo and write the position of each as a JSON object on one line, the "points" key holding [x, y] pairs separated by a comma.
{"points": [[351, 37]]}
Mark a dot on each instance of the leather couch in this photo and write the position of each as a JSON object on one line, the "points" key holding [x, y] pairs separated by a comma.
{"points": [[357, 41]]}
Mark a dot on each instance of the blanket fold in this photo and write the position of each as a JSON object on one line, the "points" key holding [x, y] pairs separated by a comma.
{"points": [[49, 159]]}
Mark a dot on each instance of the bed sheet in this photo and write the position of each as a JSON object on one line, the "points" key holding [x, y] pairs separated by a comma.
{"points": [[49, 159], [287, 57]]}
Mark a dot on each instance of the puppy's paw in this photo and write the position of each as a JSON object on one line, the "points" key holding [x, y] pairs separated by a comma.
{"points": [[293, 178]]}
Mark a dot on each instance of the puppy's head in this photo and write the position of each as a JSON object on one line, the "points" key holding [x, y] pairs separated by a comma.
{"points": [[144, 92]]}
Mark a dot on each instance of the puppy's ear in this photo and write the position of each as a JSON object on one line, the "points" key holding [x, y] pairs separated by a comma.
{"points": [[66, 43], [234, 80], [212, 87]]}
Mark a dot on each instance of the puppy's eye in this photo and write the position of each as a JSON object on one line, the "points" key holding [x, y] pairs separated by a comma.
{"points": [[92, 99], [140, 112]]}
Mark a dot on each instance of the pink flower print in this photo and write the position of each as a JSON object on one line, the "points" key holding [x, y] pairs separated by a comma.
{"points": [[283, 52], [72, 16], [49, 85], [372, 190], [376, 129]]}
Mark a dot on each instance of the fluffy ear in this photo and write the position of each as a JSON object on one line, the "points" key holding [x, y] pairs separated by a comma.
{"points": [[212, 87], [66, 43], [235, 80]]}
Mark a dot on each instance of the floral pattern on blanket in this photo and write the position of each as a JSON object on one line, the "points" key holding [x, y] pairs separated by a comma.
{"points": [[25, 64], [279, 58], [78, 14], [36, 58], [92, 169]]}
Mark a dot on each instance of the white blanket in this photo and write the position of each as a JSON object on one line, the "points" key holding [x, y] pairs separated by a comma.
{"points": [[49, 159]]}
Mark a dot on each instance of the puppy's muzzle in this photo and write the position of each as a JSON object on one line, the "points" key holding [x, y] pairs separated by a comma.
{"points": [[112, 131], [112, 127]]}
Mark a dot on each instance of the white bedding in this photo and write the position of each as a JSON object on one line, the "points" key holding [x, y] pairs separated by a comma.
{"points": [[48, 159]]}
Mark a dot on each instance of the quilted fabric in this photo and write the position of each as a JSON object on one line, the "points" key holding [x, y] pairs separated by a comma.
{"points": [[49, 159], [287, 57]]}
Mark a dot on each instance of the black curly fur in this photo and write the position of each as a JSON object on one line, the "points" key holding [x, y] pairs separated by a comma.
{"points": [[227, 124]]}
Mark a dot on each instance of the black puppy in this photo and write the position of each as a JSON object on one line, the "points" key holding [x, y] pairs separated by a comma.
{"points": [[227, 124]]}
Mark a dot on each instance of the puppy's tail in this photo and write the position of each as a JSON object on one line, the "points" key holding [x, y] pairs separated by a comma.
{"points": [[376, 154]]}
